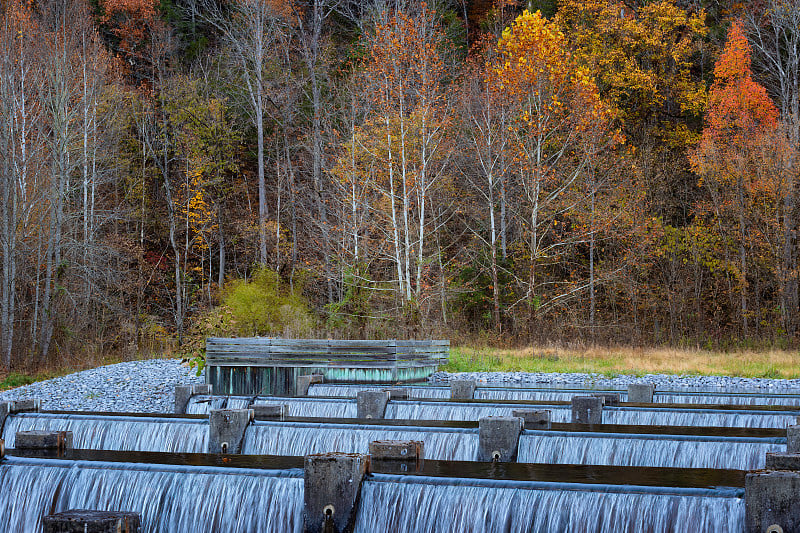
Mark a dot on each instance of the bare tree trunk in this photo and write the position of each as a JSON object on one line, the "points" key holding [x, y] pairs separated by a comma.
{"points": [[392, 200], [312, 60], [742, 255], [493, 242], [592, 302], [221, 274], [178, 309], [262, 183]]}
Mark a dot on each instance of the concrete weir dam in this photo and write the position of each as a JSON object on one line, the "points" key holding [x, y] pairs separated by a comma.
{"points": [[367, 457]]}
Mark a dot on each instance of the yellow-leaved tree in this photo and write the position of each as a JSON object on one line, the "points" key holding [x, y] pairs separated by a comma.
{"points": [[558, 126]]}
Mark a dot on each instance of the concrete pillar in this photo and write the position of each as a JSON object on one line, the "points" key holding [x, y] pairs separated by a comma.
{"points": [[269, 411], [332, 483], [5, 409], [43, 440], [587, 410], [33, 405], [184, 393], [371, 403], [783, 461], [304, 382], [226, 429], [498, 438], [18, 406], [462, 389], [204, 389], [641, 392], [90, 521], [533, 418], [609, 398], [793, 439], [398, 393], [771, 502]]}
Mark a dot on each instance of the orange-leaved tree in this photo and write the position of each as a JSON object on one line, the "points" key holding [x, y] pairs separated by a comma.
{"points": [[740, 160]]}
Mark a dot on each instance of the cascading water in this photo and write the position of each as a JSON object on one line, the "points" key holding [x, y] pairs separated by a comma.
{"points": [[713, 398], [406, 503], [202, 405], [170, 499], [122, 433], [315, 407], [350, 391], [267, 438], [728, 399], [555, 447], [432, 410], [299, 407], [238, 402], [406, 410], [696, 417], [565, 395]]}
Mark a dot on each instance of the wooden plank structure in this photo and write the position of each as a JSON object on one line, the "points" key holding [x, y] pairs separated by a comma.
{"points": [[262, 365]]}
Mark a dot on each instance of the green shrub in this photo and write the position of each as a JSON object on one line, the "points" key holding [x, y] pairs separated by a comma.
{"points": [[265, 306], [14, 380], [260, 306]]}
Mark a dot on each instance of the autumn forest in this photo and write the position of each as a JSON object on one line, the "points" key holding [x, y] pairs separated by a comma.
{"points": [[595, 171]]}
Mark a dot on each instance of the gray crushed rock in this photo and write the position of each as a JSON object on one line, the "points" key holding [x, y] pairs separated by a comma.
{"points": [[662, 382], [146, 386]]}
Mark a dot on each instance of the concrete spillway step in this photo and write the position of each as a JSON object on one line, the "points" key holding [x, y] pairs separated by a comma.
{"points": [[198, 492], [738, 448], [532, 393], [666, 415]]}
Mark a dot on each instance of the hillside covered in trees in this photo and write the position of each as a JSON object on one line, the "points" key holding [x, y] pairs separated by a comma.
{"points": [[597, 170]]}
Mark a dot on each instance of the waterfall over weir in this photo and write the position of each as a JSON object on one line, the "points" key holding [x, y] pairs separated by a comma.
{"points": [[645, 416], [697, 417], [182, 499], [549, 447], [556, 447], [446, 410], [303, 438], [316, 407], [565, 394], [202, 405], [171, 499], [122, 433], [298, 407], [406, 503]]}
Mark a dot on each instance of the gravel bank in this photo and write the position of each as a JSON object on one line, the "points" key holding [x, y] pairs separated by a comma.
{"points": [[661, 381], [149, 386], [136, 386]]}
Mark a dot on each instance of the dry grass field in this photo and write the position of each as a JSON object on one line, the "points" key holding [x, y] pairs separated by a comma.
{"points": [[620, 360]]}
